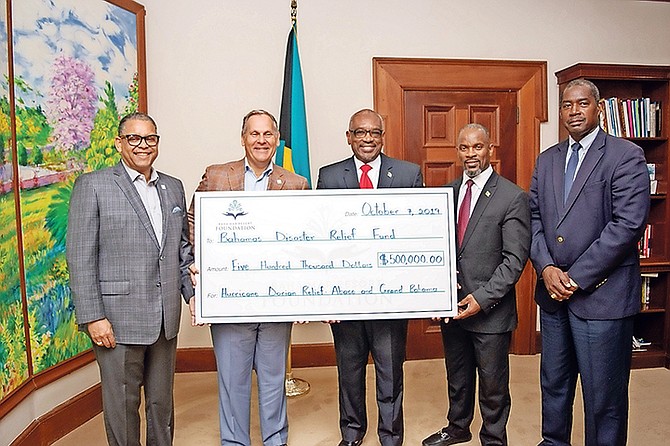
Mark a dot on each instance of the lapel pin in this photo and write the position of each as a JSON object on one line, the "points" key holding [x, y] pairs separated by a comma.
{"points": [[389, 174], [278, 181], [163, 186], [487, 193]]}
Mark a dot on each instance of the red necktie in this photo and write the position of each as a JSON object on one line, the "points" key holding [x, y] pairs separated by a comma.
{"points": [[366, 183], [464, 212]]}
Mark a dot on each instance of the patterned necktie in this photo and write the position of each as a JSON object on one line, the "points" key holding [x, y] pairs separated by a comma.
{"points": [[571, 169], [366, 183], [464, 212]]}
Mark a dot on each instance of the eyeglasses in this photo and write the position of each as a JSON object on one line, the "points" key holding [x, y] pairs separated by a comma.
{"points": [[360, 133], [136, 140]]}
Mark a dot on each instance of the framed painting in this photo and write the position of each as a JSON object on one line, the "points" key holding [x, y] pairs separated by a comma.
{"points": [[13, 345], [71, 69]]}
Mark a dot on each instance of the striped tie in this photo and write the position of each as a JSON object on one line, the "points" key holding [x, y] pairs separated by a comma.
{"points": [[464, 212]]}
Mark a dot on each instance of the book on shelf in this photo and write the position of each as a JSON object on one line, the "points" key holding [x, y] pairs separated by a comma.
{"points": [[646, 289], [640, 344], [644, 245], [653, 183], [651, 169], [631, 118]]}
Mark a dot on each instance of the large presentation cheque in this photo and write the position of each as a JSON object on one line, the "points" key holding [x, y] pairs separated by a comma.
{"points": [[325, 255]]}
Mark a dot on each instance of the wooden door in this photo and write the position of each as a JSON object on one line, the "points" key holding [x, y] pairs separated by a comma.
{"points": [[425, 102], [432, 122]]}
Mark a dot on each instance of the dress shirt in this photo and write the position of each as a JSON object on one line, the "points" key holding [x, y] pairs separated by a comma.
{"points": [[479, 182], [252, 182], [376, 165], [585, 143], [149, 196]]}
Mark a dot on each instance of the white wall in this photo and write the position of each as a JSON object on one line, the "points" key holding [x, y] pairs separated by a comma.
{"points": [[211, 61]]}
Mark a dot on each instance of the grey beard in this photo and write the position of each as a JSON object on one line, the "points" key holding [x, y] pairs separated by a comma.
{"points": [[473, 174]]}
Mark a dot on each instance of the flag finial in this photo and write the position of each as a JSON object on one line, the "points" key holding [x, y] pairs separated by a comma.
{"points": [[294, 11]]}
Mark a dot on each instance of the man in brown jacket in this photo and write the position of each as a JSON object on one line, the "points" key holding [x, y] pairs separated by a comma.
{"points": [[241, 347]]}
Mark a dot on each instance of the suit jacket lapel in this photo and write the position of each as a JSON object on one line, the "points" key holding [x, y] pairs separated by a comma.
{"points": [[236, 175], [350, 176], [128, 189], [483, 201], [276, 180], [166, 196], [589, 163], [163, 198], [385, 173], [457, 188], [559, 173]]}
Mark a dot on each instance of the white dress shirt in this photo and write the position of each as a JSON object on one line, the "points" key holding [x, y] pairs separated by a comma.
{"points": [[479, 182]]}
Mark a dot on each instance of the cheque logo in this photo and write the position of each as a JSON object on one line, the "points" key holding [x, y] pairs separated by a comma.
{"points": [[234, 210]]}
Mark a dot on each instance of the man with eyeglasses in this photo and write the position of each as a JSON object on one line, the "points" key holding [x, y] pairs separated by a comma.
{"points": [[241, 347], [384, 339], [129, 256]]}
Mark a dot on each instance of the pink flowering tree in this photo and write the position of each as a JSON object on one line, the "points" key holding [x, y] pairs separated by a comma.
{"points": [[72, 103]]}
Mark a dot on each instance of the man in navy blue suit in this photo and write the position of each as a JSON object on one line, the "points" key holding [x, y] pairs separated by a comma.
{"points": [[589, 200]]}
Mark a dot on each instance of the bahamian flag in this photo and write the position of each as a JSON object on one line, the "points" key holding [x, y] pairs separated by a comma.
{"points": [[293, 150]]}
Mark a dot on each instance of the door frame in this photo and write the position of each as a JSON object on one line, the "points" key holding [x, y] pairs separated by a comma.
{"points": [[393, 76]]}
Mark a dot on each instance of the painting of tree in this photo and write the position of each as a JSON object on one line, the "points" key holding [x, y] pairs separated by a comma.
{"points": [[75, 66], [72, 103], [102, 152]]}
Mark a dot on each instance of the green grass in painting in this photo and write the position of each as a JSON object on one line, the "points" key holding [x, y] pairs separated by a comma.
{"points": [[13, 355], [53, 333]]}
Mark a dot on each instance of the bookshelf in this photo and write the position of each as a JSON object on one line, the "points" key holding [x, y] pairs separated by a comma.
{"points": [[634, 82]]}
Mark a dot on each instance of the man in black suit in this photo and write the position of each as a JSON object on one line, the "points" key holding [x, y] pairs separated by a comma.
{"points": [[493, 242], [385, 339]]}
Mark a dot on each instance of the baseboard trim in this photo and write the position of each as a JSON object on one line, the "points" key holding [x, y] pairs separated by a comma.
{"points": [[196, 359], [201, 359], [313, 355], [76, 411], [62, 419]]}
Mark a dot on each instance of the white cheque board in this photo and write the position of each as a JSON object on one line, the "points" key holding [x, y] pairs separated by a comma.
{"points": [[319, 255]]}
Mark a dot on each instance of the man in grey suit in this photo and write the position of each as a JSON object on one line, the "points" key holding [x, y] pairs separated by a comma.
{"points": [[128, 254], [385, 339], [493, 242], [241, 347]]}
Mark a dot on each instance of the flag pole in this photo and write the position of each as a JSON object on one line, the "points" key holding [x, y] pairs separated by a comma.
{"points": [[293, 386], [294, 11]]}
